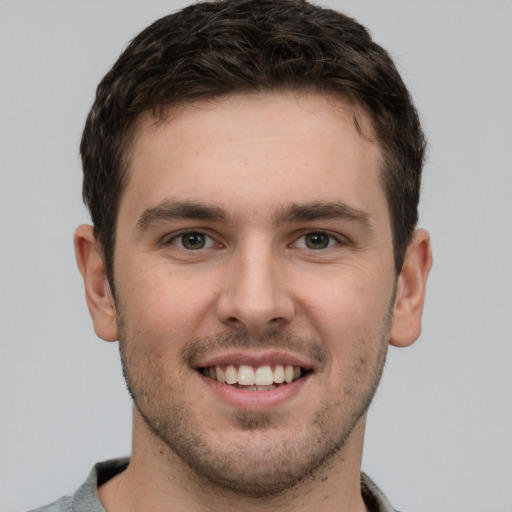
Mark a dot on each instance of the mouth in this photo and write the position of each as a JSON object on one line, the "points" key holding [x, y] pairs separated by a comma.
{"points": [[250, 378]]}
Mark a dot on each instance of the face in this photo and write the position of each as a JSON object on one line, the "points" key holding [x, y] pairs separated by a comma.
{"points": [[254, 281]]}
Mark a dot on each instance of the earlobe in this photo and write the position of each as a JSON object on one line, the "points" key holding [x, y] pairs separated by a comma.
{"points": [[410, 293], [97, 290]]}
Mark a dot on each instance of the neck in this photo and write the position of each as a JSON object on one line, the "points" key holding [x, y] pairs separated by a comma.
{"points": [[157, 479]]}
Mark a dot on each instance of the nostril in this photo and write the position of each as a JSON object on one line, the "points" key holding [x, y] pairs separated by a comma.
{"points": [[233, 320]]}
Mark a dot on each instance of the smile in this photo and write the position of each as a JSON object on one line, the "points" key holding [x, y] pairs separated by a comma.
{"points": [[249, 378]]}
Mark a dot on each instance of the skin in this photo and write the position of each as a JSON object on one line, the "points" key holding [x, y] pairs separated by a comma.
{"points": [[279, 276]]}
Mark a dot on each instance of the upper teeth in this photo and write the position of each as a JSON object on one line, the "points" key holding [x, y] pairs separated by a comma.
{"points": [[246, 375]]}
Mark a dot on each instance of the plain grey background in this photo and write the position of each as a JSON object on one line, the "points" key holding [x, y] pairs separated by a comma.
{"points": [[439, 432]]}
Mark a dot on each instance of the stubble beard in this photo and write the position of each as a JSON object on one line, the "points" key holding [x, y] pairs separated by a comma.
{"points": [[262, 464]]}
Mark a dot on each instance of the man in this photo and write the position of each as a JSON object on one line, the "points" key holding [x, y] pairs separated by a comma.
{"points": [[252, 169]]}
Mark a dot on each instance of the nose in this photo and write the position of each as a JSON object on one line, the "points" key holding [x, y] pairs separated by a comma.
{"points": [[254, 295]]}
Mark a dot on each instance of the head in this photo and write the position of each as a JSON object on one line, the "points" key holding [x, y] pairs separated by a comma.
{"points": [[252, 169], [215, 49]]}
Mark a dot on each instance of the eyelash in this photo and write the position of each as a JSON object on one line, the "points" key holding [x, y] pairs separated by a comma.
{"points": [[180, 236], [210, 242], [331, 242]]}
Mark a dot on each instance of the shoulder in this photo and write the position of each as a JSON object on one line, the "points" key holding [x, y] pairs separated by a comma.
{"points": [[86, 497], [64, 504], [373, 497]]}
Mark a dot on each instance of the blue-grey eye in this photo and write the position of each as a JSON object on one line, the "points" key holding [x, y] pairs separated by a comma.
{"points": [[193, 241], [316, 240]]}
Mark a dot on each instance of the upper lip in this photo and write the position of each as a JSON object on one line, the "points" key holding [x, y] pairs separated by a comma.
{"points": [[252, 358]]}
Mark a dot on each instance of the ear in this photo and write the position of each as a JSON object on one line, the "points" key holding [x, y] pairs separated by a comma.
{"points": [[97, 290], [410, 293]]}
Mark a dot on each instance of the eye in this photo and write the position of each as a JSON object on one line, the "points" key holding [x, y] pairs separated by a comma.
{"points": [[316, 240], [192, 241]]}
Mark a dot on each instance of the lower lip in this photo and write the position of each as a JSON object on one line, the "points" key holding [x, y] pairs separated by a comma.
{"points": [[255, 400]]}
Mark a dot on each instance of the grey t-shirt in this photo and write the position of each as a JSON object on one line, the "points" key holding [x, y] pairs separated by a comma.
{"points": [[86, 498]]}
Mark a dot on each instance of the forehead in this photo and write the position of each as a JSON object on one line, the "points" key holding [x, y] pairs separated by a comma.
{"points": [[278, 148]]}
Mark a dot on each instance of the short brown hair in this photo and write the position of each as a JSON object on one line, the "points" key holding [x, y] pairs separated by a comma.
{"points": [[217, 48]]}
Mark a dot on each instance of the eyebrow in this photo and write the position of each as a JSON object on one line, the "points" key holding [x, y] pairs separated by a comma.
{"points": [[307, 212], [323, 211], [171, 210]]}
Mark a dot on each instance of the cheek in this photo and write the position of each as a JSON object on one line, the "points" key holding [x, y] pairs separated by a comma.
{"points": [[335, 295], [162, 307], [346, 308]]}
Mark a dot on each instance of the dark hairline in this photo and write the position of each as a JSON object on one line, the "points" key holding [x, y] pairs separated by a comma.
{"points": [[213, 49]]}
